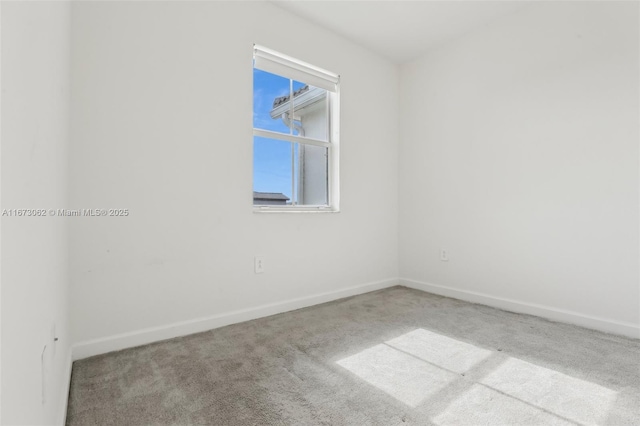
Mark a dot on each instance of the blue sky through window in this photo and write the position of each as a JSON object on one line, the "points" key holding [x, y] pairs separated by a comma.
{"points": [[272, 171]]}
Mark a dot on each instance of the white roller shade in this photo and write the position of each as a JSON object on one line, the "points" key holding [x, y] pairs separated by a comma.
{"points": [[277, 63]]}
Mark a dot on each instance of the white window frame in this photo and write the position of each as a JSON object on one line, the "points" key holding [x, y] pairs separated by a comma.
{"points": [[277, 63]]}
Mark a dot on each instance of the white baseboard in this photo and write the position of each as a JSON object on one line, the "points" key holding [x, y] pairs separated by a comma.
{"points": [[149, 335], [65, 389], [587, 321]]}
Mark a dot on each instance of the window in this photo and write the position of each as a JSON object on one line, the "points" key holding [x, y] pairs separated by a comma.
{"points": [[295, 134]]}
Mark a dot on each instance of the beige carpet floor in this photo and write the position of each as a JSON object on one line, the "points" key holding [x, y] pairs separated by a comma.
{"points": [[392, 357]]}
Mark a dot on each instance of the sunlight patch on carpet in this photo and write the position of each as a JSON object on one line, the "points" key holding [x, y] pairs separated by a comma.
{"points": [[400, 375], [579, 400], [440, 350], [420, 364], [480, 405]]}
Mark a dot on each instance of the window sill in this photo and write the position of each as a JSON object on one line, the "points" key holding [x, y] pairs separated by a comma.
{"points": [[271, 209]]}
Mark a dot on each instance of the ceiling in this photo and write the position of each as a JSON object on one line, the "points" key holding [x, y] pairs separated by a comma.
{"points": [[400, 30]]}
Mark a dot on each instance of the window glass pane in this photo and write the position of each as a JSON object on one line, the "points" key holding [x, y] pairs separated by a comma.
{"points": [[311, 168], [298, 90], [310, 111], [269, 92], [272, 172]]}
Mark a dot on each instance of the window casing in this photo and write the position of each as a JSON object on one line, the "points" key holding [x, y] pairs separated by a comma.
{"points": [[295, 135]]}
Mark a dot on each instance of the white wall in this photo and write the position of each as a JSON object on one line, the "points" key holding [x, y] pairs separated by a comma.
{"points": [[161, 107], [35, 132], [519, 154]]}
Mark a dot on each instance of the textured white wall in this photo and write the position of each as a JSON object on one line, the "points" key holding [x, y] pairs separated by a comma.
{"points": [[519, 154], [35, 280], [162, 107]]}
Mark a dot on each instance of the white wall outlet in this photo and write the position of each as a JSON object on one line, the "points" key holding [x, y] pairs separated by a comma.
{"points": [[444, 255], [258, 264]]}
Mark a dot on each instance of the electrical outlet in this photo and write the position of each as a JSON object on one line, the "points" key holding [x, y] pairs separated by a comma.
{"points": [[444, 255], [258, 264]]}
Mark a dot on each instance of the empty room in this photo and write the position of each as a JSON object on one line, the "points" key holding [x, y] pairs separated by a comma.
{"points": [[320, 213]]}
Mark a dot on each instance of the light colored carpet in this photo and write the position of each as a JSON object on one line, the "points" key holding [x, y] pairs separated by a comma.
{"points": [[392, 357]]}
